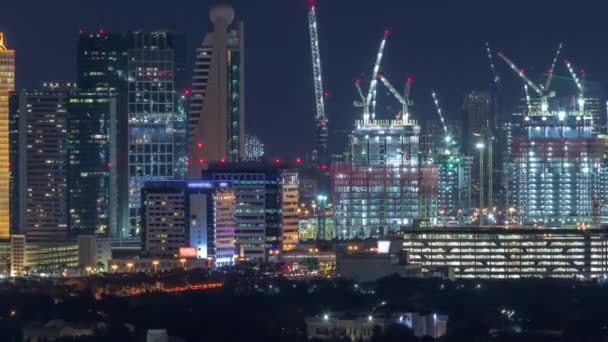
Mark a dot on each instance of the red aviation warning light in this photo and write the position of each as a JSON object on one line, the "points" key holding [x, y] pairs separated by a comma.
{"points": [[324, 167], [187, 92], [199, 145], [201, 161], [109, 164], [277, 161], [298, 160], [222, 160]]}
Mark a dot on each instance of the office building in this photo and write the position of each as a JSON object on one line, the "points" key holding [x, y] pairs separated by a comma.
{"points": [[7, 84], [254, 147], [155, 74], [217, 105], [384, 185], [558, 166], [92, 124], [102, 95], [42, 190], [506, 253], [258, 206], [188, 217], [101, 63], [289, 208]]}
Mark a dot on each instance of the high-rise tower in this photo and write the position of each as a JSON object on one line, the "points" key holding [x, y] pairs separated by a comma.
{"points": [[154, 74], [7, 84], [217, 108]]}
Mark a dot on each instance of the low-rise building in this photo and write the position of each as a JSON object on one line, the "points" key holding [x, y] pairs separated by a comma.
{"points": [[510, 252], [364, 326]]}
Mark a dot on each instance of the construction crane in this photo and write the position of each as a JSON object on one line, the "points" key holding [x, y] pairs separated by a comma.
{"points": [[321, 130], [542, 90], [492, 65], [368, 102], [405, 100], [550, 71], [448, 138], [579, 86]]}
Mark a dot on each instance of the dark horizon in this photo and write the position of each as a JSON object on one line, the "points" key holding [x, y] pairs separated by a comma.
{"points": [[440, 45]]}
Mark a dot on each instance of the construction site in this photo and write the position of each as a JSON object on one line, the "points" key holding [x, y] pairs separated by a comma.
{"points": [[552, 159]]}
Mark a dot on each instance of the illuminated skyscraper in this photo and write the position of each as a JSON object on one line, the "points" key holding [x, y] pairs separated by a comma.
{"points": [[217, 113], [7, 84], [43, 162], [97, 121], [155, 68]]}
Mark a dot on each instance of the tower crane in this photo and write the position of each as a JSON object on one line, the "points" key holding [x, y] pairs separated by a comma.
{"points": [[492, 65], [368, 102], [542, 90], [550, 71], [316, 61], [405, 100], [448, 138], [579, 86], [321, 130]]}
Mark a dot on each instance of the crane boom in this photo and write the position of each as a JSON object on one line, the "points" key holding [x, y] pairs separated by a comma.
{"points": [[550, 71], [492, 65], [438, 107], [575, 77], [521, 74], [392, 89], [404, 100], [579, 85], [360, 92], [371, 92], [316, 62]]}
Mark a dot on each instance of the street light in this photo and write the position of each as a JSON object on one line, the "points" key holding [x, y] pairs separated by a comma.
{"points": [[183, 262], [114, 268], [511, 212], [155, 264], [129, 266], [88, 269], [480, 146]]}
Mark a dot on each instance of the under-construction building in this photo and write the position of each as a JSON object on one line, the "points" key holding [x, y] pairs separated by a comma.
{"points": [[383, 186], [454, 193], [557, 170]]}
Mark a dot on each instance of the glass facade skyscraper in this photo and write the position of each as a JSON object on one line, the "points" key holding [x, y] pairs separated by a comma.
{"points": [[96, 137], [155, 66], [92, 177]]}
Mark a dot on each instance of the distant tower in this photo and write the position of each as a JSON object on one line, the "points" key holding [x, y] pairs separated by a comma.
{"points": [[7, 84], [217, 108]]}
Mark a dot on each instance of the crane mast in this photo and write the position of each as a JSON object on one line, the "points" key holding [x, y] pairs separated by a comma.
{"points": [[321, 129]]}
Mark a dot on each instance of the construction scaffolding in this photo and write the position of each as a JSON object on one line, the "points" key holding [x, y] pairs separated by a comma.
{"points": [[376, 200]]}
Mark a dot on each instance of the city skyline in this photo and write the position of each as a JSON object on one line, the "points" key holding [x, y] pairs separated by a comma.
{"points": [[449, 61]]}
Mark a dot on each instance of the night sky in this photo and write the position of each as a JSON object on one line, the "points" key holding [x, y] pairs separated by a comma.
{"points": [[439, 43]]}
